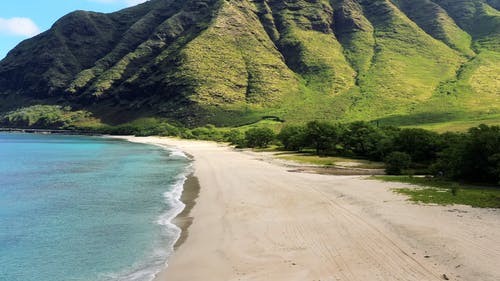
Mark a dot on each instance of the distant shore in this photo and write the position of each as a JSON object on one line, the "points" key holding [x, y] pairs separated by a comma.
{"points": [[49, 131], [255, 219]]}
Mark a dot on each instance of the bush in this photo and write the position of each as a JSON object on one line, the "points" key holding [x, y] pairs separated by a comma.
{"points": [[43, 117], [396, 162], [455, 188], [293, 137], [480, 159], [420, 144], [322, 136], [209, 132], [361, 139], [235, 137], [259, 137]]}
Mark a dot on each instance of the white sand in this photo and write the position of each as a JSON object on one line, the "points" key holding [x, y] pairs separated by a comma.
{"points": [[254, 220]]}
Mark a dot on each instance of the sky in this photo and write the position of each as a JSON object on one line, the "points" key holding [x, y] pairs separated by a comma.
{"points": [[22, 19]]}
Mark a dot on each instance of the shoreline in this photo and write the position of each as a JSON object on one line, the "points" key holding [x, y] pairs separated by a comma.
{"points": [[257, 220], [183, 220], [190, 192], [50, 132]]}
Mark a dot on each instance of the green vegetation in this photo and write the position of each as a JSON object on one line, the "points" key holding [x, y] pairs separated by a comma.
{"points": [[44, 116], [292, 137], [472, 156], [310, 158], [259, 137], [429, 64], [435, 21], [478, 18], [443, 192], [396, 162]]}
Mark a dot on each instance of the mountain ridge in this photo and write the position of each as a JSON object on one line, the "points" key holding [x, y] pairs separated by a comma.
{"points": [[230, 62]]}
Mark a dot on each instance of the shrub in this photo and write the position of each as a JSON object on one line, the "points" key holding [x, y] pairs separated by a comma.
{"points": [[259, 137], [293, 137], [322, 136], [480, 159], [420, 144], [235, 137], [361, 139], [396, 162], [43, 116], [455, 188]]}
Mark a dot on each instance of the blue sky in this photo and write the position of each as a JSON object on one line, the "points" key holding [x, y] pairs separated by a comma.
{"points": [[22, 19]]}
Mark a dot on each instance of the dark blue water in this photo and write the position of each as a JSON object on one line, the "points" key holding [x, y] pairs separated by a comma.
{"points": [[86, 208]]}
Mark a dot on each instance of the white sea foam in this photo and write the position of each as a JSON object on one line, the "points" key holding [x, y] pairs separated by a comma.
{"points": [[177, 153], [172, 199], [174, 152]]}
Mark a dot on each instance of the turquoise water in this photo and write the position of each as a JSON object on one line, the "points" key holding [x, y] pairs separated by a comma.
{"points": [[86, 208]]}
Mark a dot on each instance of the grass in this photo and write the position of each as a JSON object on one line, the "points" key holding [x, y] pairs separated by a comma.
{"points": [[329, 160], [440, 192], [45, 116], [233, 62], [436, 22], [459, 125], [238, 64], [441, 122], [319, 59], [357, 38]]}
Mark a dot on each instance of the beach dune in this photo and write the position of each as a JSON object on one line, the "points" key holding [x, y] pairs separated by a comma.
{"points": [[256, 220]]}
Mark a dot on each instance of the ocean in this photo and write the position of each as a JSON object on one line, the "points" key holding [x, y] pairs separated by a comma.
{"points": [[86, 208]]}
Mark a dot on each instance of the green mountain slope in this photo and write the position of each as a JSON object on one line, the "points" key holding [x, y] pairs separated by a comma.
{"points": [[436, 22], [232, 62]]}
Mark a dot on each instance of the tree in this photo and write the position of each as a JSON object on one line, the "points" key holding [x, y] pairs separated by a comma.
{"points": [[385, 143], [259, 137], [361, 139], [420, 144], [322, 136], [293, 137], [481, 155], [396, 162], [235, 137], [449, 158]]}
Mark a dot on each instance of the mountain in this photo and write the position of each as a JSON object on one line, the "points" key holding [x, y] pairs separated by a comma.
{"points": [[232, 62]]}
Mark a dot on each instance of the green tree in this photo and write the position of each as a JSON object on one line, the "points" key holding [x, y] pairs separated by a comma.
{"points": [[235, 137], [361, 139], [449, 158], [396, 162], [208, 132], [293, 137], [420, 144], [481, 155], [259, 137], [322, 136]]}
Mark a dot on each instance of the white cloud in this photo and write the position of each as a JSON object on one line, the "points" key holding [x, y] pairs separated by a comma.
{"points": [[19, 26]]}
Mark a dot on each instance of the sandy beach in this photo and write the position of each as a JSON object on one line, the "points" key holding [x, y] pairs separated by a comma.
{"points": [[255, 219]]}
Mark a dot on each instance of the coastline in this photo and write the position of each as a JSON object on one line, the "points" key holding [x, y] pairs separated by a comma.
{"points": [[257, 220], [183, 219], [50, 131]]}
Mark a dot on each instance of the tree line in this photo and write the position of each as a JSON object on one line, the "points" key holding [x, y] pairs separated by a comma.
{"points": [[472, 156]]}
